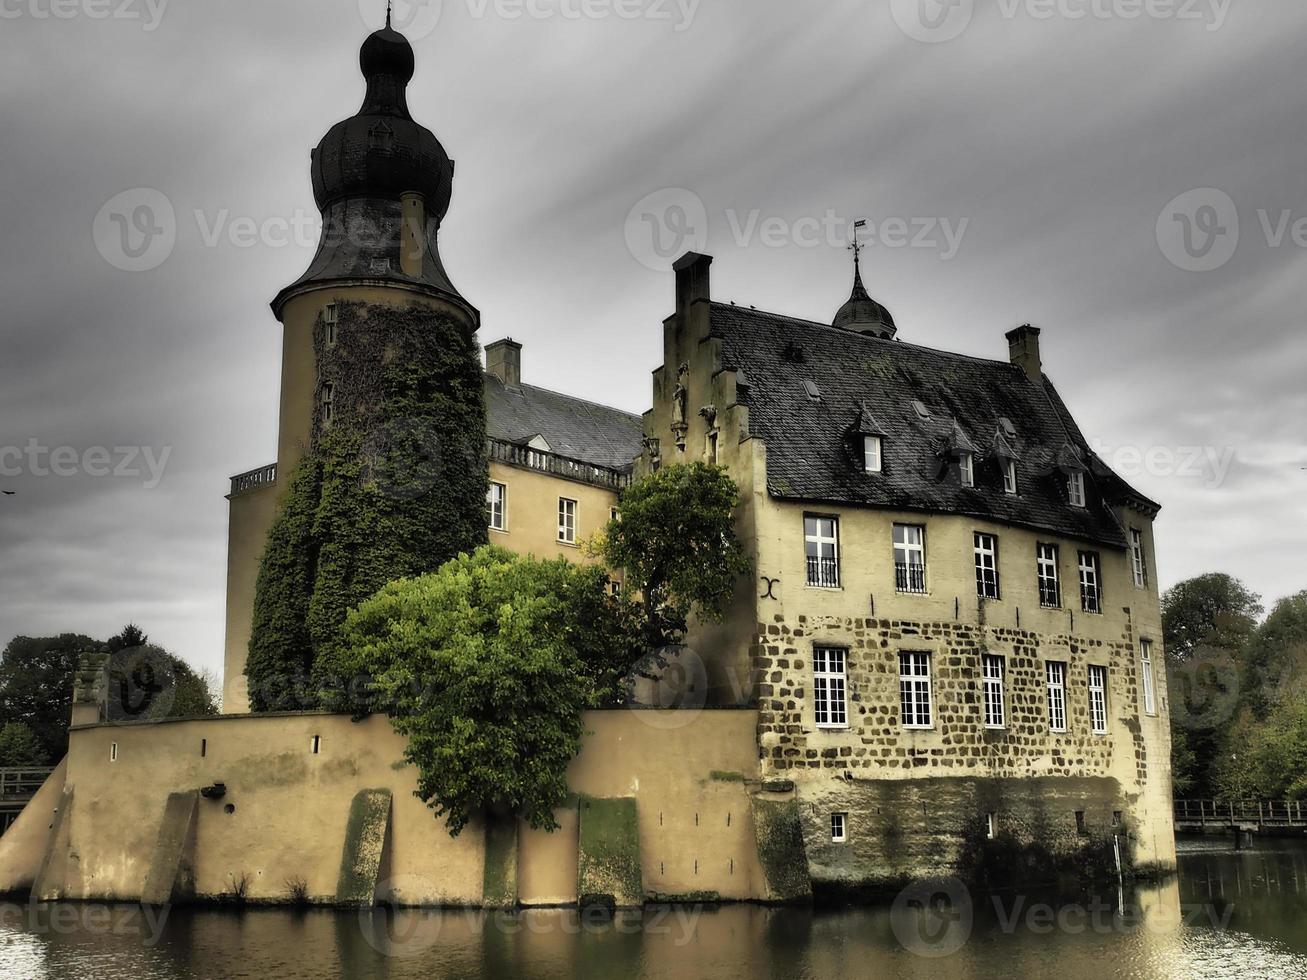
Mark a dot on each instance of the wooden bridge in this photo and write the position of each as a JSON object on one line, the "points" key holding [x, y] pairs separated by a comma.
{"points": [[17, 787], [1259, 817]]}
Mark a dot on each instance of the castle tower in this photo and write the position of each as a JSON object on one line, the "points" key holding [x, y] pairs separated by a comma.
{"points": [[383, 183]]}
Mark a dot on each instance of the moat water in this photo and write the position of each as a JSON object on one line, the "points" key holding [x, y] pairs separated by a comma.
{"points": [[1227, 915]]}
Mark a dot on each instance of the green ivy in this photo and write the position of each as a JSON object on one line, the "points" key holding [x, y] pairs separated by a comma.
{"points": [[394, 487]]}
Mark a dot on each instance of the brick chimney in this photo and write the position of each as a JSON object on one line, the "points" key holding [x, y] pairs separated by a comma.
{"points": [[504, 361], [692, 280], [1023, 349]]}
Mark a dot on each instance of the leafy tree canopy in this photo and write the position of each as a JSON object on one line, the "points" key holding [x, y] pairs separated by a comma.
{"points": [[1214, 610], [19, 747], [485, 667], [676, 541]]}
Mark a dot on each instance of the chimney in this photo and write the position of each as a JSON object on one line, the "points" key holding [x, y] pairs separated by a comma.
{"points": [[504, 361], [691, 280], [1023, 349]]}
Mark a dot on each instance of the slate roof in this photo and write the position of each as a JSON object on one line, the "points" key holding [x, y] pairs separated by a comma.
{"points": [[573, 427], [814, 450]]}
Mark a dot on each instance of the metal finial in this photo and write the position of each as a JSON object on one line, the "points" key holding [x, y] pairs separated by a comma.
{"points": [[389, 3]]}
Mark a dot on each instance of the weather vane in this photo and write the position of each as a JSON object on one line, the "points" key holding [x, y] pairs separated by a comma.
{"points": [[856, 247]]}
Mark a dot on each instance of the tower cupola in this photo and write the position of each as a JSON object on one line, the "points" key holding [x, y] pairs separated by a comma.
{"points": [[383, 183], [861, 313]]}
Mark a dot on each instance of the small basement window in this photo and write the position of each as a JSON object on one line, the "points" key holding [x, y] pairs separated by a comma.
{"points": [[839, 827]]}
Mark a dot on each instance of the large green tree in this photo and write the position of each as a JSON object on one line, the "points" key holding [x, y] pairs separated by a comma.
{"points": [[20, 748], [1212, 611], [676, 542], [485, 667], [393, 486], [36, 685]]}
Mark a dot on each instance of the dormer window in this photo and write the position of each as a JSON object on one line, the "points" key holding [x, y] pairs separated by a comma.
{"points": [[872, 454], [967, 469], [1010, 476], [1075, 483]]}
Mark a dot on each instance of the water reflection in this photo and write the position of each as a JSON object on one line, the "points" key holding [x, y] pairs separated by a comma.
{"points": [[1228, 915]]}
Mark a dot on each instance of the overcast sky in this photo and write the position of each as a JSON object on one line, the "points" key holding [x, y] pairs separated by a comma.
{"points": [[1034, 161]]}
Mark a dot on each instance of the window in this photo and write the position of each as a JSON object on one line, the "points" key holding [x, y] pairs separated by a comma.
{"points": [[909, 558], [614, 588], [992, 679], [1137, 562], [967, 469], [1081, 827], [712, 447], [328, 403], [315, 744], [1056, 673], [1050, 588], [986, 546], [566, 520], [821, 541], [1091, 590], [839, 827], [872, 457], [1098, 699], [113, 751], [329, 317], [991, 825], [1146, 670], [1010, 476], [496, 498], [614, 514], [914, 689], [828, 686], [1075, 483], [204, 747]]}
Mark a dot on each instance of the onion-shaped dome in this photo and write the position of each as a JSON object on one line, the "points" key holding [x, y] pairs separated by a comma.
{"points": [[862, 314]]}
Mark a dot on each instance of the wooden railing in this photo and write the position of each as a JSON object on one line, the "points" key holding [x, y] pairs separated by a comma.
{"points": [[254, 479], [556, 465], [22, 783], [1269, 814]]}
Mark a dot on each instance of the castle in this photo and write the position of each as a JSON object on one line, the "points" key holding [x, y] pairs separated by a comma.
{"points": [[952, 634]]}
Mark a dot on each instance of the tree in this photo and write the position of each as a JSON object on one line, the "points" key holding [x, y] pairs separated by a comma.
{"points": [[485, 667], [20, 748], [676, 541], [36, 685], [1214, 611], [1277, 655], [131, 636], [392, 488]]}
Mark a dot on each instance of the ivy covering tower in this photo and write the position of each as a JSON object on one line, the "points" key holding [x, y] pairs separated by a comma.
{"points": [[381, 451]]}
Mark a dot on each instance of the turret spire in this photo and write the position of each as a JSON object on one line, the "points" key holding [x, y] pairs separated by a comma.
{"points": [[389, 3], [861, 313]]}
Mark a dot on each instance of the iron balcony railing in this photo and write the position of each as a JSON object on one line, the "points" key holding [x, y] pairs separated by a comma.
{"points": [[909, 577], [565, 467], [254, 479], [824, 573]]}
